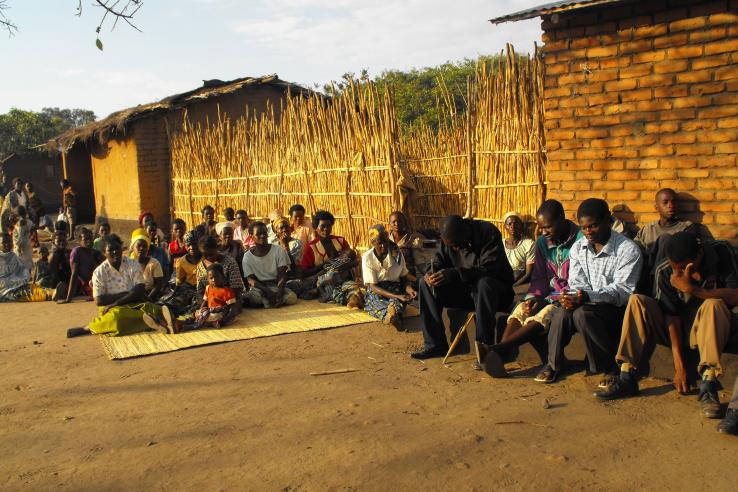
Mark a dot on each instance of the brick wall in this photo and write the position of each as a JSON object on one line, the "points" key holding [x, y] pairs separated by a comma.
{"points": [[152, 150], [644, 96]]}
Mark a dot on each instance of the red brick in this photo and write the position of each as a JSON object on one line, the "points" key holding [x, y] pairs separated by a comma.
{"points": [[663, 105], [621, 85], [691, 102], [609, 185], [623, 175], [723, 18], [726, 148], [656, 80], [621, 152], [649, 56], [684, 52], [635, 71], [560, 155], [707, 35], [679, 39], [617, 62], [670, 66], [590, 88], [605, 98], [558, 92], [643, 184], [730, 172], [586, 42], [709, 88], [621, 195], [608, 165], [716, 184], [642, 164], [727, 73], [710, 61], [718, 161], [699, 124], [637, 46], [572, 144], [641, 117], [572, 123], [721, 47], [656, 151], [727, 195], [694, 77], [693, 173], [718, 112], [591, 111], [681, 184], [725, 98], [678, 138], [604, 121], [578, 185], [555, 176], [728, 123], [592, 133], [651, 31], [658, 174], [602, 52], [671, 91], [640, 140], [603, 75], [606, 143], [687, 24], [695, 149], [571, 78], [590, 154], [669, 127], [621, 131], [636, 95], [559, 113], [557, 69], [555, 46], [718, 136], [573, 102]]}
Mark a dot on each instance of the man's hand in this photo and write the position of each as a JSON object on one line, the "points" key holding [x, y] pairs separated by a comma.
{"points": [[106, 309], [680, 380], [682, 280], [437, 279], [411, 292], [573, 301], [530, 306]]}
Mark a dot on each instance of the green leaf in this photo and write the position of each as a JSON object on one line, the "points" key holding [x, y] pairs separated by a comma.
{"points": [[98, 43]]}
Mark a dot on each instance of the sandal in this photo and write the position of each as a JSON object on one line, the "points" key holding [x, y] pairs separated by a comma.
{"points": [[547, 375]]}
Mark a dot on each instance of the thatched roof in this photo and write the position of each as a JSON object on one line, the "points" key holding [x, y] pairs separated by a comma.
{"points": [[118, 122]]}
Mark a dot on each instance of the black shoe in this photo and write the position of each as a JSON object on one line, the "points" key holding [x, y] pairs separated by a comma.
{"points": [[77, 332], [494, 365], [621, 387], [729, 425], [709, 399], [429, 353]]}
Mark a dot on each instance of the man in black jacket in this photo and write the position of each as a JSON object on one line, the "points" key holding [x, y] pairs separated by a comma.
{"points": [[470, 271]]}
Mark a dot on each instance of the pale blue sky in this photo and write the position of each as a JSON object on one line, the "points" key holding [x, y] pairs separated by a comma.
{"points": [[52, 60]]}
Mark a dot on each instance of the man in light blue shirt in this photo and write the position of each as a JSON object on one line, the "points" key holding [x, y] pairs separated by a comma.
{"points": [[604, 269]]}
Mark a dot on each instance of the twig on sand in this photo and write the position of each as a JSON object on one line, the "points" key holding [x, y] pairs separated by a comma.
{"points": [[520, 422], [335, 371], [380, 346]]}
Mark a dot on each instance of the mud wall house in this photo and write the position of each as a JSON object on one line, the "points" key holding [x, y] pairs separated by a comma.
{"points": [[38, 167], [121, 164], [641, 95]]}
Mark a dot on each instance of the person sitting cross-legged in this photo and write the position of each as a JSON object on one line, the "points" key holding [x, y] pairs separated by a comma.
{"points": [[530, 320], [387, 279], [695, 288], [265, 269], [470, 271], [119, 291], [604, 269]]}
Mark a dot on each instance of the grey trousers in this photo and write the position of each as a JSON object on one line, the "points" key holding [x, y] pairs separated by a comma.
{"points": [[734, 399]]}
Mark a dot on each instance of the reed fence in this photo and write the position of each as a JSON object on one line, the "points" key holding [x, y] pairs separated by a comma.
{"points": [[346, 155]]}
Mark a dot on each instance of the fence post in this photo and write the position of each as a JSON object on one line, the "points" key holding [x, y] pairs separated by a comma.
{"points": [[471, 178]]}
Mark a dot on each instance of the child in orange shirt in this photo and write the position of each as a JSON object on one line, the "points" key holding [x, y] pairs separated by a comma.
{"points": [[218, 302]]}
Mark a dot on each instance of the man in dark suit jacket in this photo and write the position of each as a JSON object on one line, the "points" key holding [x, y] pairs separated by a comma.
{"points": [[470, 271]]}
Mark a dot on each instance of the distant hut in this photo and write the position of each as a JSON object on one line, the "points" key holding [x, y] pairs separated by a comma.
{"points": [[121, 165], [37, 167]]}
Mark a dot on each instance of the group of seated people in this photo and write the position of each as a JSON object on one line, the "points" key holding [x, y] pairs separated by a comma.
{"points": [[671, 285]]}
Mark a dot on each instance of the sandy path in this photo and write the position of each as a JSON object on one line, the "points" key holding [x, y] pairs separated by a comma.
{"points": [[247, 416]]}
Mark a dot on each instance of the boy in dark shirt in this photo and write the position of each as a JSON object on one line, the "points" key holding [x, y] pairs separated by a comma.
{"points": [[693, 292]]}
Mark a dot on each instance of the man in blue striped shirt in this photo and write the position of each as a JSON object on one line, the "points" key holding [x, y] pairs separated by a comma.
{"points": [[604, 269]]}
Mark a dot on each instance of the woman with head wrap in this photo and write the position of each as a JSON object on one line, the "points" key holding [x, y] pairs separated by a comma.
{"points": [[184, 299], [406, 239], [144, 219], [228, 245], [208, 246], [153, 274], [283, 238], [518, 248], [386, 277]]}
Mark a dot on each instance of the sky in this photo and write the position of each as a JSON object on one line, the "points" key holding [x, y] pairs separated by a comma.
{"points": [[53, 60]]}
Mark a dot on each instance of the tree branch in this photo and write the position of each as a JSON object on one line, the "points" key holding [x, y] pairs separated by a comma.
{"points": [[6, 23]]}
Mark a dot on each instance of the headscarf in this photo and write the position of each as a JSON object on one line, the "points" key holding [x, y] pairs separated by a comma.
{"points": [[377, 231], [511, 214], [190, 237], [274, 215], [139, 234], [222, 225], [279, 221]]}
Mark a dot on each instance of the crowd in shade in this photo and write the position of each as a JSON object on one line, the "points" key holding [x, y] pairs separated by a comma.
{"points": [[541, 281]]}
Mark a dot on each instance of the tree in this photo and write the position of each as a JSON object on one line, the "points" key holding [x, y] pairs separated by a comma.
{"points": [[112, 11], [421, 96], [21, 132]]}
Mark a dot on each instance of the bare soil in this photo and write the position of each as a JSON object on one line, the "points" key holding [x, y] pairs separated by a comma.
{"points": [[248, 416]]}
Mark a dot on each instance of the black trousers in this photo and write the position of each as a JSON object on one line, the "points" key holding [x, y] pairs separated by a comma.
{"points": [[485, 297], [599, 324]]}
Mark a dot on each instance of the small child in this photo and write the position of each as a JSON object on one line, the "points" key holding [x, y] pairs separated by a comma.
{"points": [[42, 268], [22, 238], [102, 234], [218, 302], [229, 214]]}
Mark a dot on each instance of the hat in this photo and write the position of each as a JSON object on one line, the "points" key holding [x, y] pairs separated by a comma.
{"points": [[222, 225]]}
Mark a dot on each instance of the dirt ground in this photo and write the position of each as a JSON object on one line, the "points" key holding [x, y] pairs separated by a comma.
{"points": [[248, 416]]}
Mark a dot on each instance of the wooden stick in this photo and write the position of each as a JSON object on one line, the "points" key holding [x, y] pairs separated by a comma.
{"points": [[335, 371], [457, 338]]}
